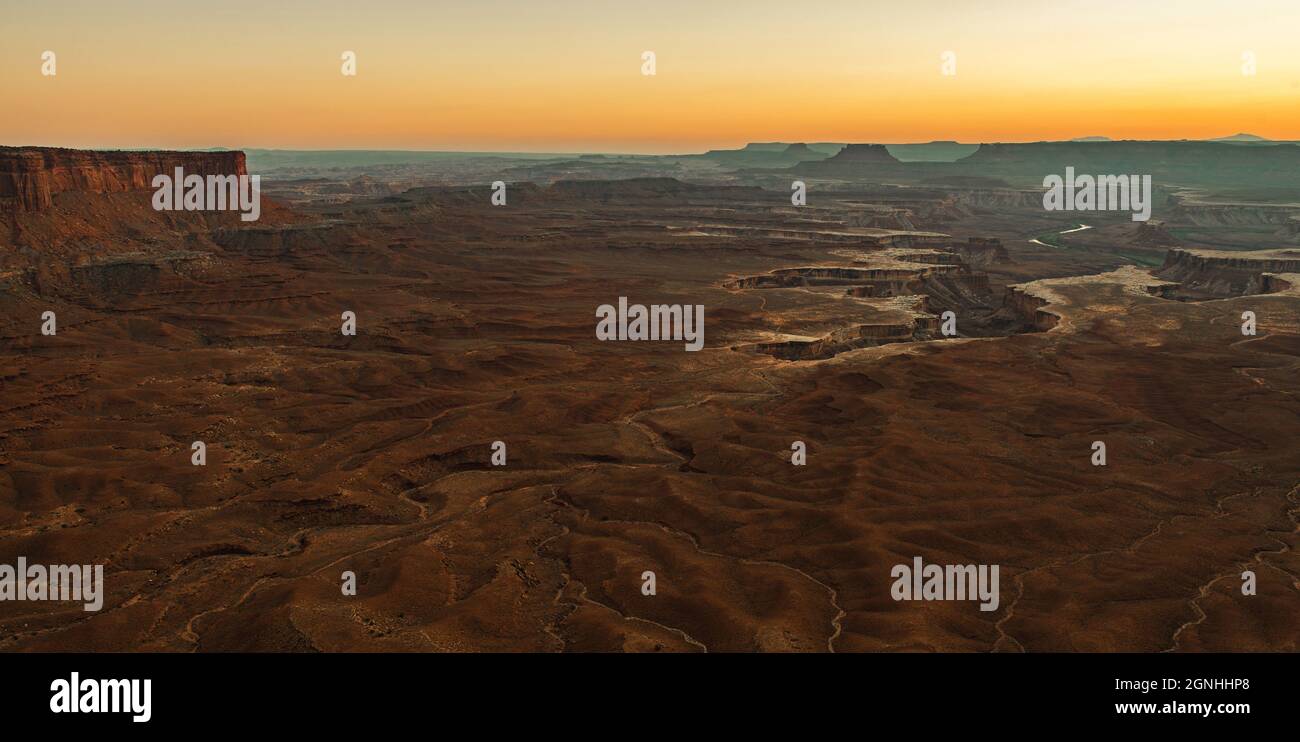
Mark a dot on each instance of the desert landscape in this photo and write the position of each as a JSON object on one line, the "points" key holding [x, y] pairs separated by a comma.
{"points": [[824, 324]]}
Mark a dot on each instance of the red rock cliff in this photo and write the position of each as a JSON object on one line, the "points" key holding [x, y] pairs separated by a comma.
{"points": [[31, 176]]}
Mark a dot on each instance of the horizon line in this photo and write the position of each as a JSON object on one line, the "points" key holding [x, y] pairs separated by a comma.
{"points": [[627, 153]]}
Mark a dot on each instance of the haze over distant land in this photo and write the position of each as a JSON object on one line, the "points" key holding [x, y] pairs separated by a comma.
{"points": [[774, 154]]}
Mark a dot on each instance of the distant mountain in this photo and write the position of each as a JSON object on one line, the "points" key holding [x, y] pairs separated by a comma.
{"points": [[1242, 137], [1091, 139]]}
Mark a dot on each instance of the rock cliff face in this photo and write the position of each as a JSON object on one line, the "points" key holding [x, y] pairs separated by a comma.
{"points": [[1029, 307], [851, 338], [1285, 283], [1220, 273], [981, 252], [30, 177], [1153, 234]]}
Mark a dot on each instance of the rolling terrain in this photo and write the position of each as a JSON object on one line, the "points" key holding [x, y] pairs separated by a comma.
{"points": [[372, 453]]}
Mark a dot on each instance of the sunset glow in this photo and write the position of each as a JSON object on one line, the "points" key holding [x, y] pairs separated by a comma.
{"points": [[565, 75]]}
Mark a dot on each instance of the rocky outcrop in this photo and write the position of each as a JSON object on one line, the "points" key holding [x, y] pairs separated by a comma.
{"points": [[880, 217], [862, 153], [854, 161], [1030, 308], [1286, 283], [280, 241], [945, 286], [787, 233], [981, 252], [942, 276], [30, 177], [1221, 273], [1153, 234], [1191, 211], [851, 338], [822, 276], [1055, 303], [910, 239]]}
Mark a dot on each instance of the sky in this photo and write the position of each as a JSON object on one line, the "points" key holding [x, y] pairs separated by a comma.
{"points": [[567, 75]]}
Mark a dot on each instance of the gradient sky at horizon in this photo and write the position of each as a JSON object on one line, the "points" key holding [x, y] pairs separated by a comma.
{"points": [[565, 75]]}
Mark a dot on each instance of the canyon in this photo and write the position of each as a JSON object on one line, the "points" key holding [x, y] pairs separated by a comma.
{"points": [[372, 454]]}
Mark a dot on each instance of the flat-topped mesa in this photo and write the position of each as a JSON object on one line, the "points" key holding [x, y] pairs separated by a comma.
{"points": [[855, 160], [30, 177], [861, 153]]}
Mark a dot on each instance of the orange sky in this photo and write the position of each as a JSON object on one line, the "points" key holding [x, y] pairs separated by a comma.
{"points": [[565, 75]]}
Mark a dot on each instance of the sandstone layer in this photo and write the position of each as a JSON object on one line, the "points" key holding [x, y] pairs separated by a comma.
{"points": [[30, 177]]}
